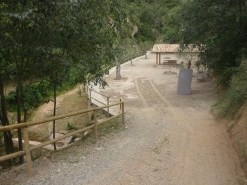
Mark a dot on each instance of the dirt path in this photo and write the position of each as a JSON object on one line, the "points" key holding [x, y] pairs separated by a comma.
{"points": [[189, 147], [169, 139]]}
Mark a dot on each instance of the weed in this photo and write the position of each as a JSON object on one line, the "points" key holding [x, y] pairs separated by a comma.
{"points": [[79, 91], [71, 127], [157, 150], [165, 139], [156, 169]]}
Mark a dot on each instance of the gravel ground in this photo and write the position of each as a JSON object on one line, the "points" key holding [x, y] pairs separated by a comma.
{"points": [[168, 139]]}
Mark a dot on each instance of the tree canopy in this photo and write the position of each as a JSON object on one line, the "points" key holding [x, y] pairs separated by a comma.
{"points": [[220, 26], [44, 41]]}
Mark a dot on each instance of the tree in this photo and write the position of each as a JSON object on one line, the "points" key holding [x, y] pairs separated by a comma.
{"points": [[34, 34], [220, 26]]}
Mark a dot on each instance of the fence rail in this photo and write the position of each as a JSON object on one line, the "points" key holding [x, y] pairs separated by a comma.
{"points": [[24, 126]]}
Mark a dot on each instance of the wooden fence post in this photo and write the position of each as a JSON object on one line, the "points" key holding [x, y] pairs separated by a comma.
{"points": [[90, 99], [123, 113], [27, 152], [120, 105], [95, 125], [108, 113]]}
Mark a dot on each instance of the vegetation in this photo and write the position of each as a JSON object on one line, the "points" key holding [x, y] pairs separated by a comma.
{"points": [[48, 46], [234, 98], [220, 29], [220, 26], [40, 42]]}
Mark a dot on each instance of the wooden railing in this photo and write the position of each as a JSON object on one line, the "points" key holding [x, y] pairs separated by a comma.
{"points": [[24, 126]]}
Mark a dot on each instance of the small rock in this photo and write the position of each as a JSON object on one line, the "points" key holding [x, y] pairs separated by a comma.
{"points": [[87, 132], [68, 140], [99, 148], [77, 139], [64, 132]]}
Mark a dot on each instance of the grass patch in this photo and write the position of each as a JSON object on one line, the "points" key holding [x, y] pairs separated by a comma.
{"points": [[71, 127], [70, 103], [113, 125]]}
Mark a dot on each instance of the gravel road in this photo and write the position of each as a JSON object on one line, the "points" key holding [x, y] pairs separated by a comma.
{"points": [[169, 139]]}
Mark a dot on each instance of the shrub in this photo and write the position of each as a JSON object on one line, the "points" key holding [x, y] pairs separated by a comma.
{"points": [[11, 101], [234, 97]]}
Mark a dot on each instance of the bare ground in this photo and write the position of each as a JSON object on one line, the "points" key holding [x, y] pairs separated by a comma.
{"points": [[169, 139]]}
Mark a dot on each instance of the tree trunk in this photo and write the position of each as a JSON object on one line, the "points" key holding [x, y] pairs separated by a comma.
{"points": [[9, 146], [18, 96], [118, 76], [54, 111]]}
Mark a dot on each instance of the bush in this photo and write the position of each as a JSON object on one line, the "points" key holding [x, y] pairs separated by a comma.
{"points": [[11, 101], [234, 97], [32, 97]]}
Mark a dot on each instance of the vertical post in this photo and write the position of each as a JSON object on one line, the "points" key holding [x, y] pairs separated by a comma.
{"points": [[157, 62], [27, 151], [159, 57], [123, 113], [120, 105], [90, 100], [87, 86], [95, 125], [108, 113]]}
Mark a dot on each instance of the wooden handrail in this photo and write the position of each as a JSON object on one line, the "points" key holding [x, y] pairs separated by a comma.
{"points": [[28, 150], [26, 124]]}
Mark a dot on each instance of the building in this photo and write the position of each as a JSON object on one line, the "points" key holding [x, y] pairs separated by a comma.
{"points": [[173, 53]]}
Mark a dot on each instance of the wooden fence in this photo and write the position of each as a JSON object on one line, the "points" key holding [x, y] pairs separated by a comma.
{"points": [[24, 126]]}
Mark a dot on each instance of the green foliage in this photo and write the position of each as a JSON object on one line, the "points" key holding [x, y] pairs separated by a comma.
{"points": [[155, 19], [32, 97], [218, 25], [235, 96], [71, 127], [11, 101]]}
